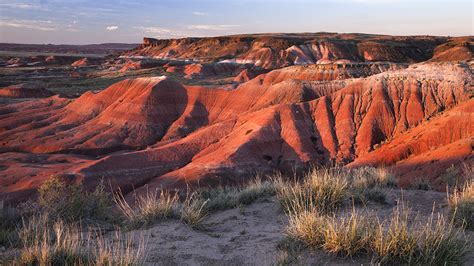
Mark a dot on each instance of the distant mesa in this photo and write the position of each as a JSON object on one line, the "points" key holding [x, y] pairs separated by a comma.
{"points": [[279, 50]]}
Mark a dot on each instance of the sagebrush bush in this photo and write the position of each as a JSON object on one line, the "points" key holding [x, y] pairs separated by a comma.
{"points": [[370, 177], [254, 190], [148, 208], [222, 198], [70, 202], [461, 204], [364, 195], [219, 198]]}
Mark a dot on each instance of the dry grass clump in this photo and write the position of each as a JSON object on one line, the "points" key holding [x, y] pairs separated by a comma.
{"points": [[395, 240], [57, 243], [44, 244], [461, 204], [440, 243], [193, 210], [9, 220], [120, 250], [148, 208], [323, 190], [346, 236]]}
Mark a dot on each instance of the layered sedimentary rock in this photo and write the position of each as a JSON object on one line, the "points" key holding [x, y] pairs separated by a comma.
{"points": [[158, 132], [279, 50]]}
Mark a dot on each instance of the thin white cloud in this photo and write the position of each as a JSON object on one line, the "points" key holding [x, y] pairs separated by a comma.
{"points": [[197, 13], [211, 27], [29, 24], [159, 31], [19, 5], [154, 30], [112, 28]]}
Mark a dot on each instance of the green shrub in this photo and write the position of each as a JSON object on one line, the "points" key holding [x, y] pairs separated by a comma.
{"points": [[370, 177], [71, 202], [363, 196], [254, 190], [222, 198]]}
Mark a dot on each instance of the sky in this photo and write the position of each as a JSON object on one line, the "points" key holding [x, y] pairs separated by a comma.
{"points": [[128, 21]]}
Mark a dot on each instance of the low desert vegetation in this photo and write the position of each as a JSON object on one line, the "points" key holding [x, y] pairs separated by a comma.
{"points": [[316, 220], [157, 205], [461, 204], [71, 203], [9, 220], [193, 211], [59, 243], [371, 177], [391, 240], [63, 228], [327, 189], [148, 208], [222, 198]]}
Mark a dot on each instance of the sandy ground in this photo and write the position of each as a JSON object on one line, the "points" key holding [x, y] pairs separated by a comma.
{"points": [[250, 235]]}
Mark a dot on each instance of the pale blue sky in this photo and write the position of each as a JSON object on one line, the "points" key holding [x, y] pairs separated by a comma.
{"points": [[98, 21]]}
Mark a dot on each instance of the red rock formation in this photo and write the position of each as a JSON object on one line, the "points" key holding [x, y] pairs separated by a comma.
{"points": [[279, 50], [455, 50], [86, 61], [24, 91], [285, 119]]}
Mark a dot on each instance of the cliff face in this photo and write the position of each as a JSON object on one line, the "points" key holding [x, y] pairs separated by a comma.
{"points": [[278, 50]]}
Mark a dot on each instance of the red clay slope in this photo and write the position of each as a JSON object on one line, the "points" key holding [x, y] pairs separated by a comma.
{"points": [[24, 91], [278, 121]]}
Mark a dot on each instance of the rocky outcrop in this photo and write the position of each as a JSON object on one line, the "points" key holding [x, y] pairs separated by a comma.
{"points": [[279, 50]]}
